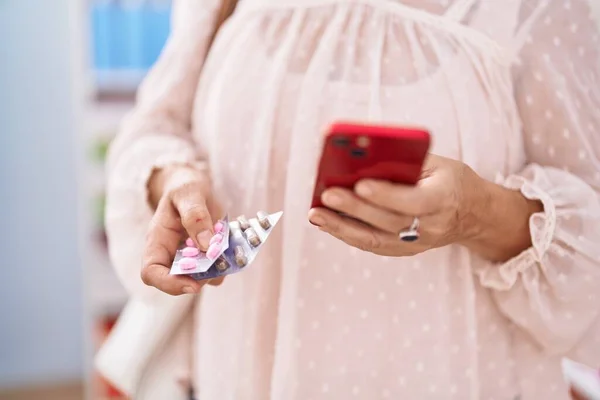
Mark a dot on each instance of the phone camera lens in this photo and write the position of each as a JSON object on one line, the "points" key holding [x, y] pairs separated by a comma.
{"points": [[358, 153], [341, 141], [363, 141]]}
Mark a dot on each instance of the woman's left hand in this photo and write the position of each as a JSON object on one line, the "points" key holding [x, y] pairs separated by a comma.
{"points": [[445, 199]]}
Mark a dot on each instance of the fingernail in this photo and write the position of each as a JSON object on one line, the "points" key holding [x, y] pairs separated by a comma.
{"points": [[204, 239], [317, 220], [332, 199], [188, 290], [364, 189]]}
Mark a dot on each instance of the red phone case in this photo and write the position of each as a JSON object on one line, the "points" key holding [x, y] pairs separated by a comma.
{"points": [[352, 152]]}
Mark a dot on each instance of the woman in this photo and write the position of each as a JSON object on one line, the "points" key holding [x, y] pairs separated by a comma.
{"points": [[503, 280]]}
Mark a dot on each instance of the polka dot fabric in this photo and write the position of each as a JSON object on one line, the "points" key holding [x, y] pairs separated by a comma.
{"points": [[511, 88]]}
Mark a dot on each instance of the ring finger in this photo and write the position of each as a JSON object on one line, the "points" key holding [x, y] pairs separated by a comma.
{"points": [[345, 201]]}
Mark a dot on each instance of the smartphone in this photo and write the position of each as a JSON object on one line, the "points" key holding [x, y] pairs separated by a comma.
{"points": [[353, 151], [584, 380]]}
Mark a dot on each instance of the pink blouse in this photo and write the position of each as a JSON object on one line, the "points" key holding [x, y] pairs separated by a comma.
{"points": [[511, 88]]}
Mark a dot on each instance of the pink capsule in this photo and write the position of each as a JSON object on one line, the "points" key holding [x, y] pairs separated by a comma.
{"points": [[213, 251], [190, 252], [218, 238], [190, 243], [219, 227], [187, 264]]}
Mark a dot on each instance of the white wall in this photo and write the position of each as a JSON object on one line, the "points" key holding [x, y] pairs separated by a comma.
{"points": [[40, 278]]}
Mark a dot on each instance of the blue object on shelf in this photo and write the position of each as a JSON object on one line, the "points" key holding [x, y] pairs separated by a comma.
{"points": [[120, 32], [155, 30], [127, 39], [101, 35], [135, 38]]}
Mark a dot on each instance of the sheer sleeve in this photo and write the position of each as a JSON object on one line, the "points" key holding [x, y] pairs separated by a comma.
{"points": [[551, 290], [156, 133]]}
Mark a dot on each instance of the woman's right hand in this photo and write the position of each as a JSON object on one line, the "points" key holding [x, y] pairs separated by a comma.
{"points": [[184, 204]]}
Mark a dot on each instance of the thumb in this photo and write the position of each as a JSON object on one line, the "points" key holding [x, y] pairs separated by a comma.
{"points": [[195, 217]]}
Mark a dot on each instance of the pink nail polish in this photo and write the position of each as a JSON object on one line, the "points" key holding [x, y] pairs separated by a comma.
{"points": [[190, 243]]}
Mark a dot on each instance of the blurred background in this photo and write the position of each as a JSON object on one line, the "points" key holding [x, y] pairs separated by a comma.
{"points": [[69, 70]]}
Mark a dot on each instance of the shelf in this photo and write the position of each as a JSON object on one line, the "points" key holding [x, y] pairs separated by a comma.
{"points": [[118, 43], [115, 96], [117, 86]]}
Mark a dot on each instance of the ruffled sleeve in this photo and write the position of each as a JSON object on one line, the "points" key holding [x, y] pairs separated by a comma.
{"points": [[155, 134], [552, 290]]}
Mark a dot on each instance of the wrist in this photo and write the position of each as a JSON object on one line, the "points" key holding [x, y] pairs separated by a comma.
{"points": [[497, 226]]}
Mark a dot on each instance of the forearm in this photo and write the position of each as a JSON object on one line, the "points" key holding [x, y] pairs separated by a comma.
{"points": [[498, 226]]}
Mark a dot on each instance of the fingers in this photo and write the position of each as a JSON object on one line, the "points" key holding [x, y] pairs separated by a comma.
{"points": [[158, 276], [182, 211], [425, 198], [347, 231], [161, 244], [190, 203], [359, 235], [345, 201], [216, 281]]}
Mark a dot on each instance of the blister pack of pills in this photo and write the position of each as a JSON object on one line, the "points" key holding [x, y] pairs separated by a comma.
{"points": [[234, 247], [583, 379]]}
